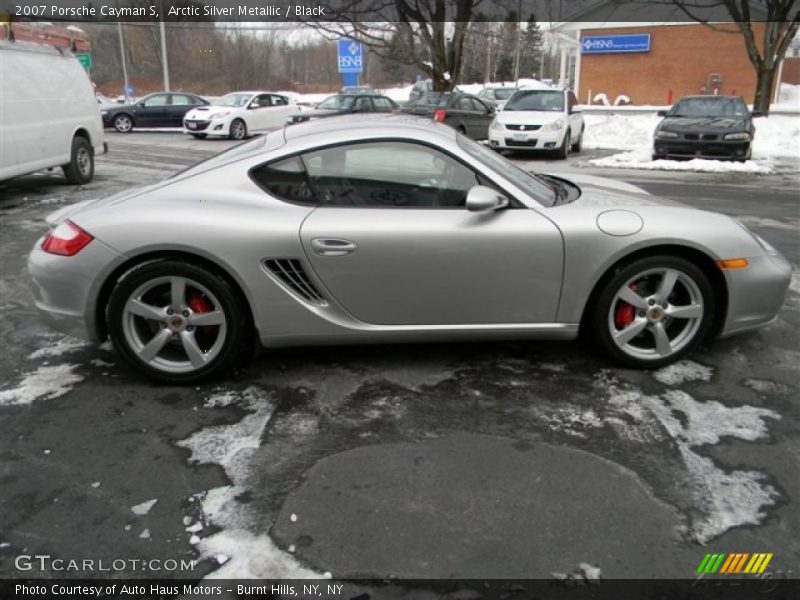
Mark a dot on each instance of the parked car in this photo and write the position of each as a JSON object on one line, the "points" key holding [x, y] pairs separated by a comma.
{"points": [[357, 89], [497, 96], [238, 114], [465, 113], [342, 104], [718, 127], [423, 86], [380, 228], [539, 120], [162, 109], [48, 113]]}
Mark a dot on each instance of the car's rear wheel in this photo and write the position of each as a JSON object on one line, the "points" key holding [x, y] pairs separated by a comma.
{"points": [[238, 130], [578, 146], [176, 322], [123, 123], [653, 311], [80, 168]]}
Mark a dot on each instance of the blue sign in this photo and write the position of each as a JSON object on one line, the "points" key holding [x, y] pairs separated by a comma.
{"points": [[610, 44], [351, 56], [129, 90]]}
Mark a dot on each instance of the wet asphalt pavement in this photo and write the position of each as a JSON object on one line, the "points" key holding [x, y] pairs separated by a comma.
{"points": [[466, 460]]}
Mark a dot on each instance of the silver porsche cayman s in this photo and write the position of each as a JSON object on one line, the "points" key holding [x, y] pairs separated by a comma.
{"points": [[392, 229]]}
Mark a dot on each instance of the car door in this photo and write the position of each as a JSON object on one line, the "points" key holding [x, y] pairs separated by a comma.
{"points": [[153, 111], [180, 105], [383, 105], [257, 114], [484, 113], [279, 110], [394, 244]]}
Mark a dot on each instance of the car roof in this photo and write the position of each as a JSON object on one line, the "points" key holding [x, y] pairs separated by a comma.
{"points": [[708, 97], [364, 123]]}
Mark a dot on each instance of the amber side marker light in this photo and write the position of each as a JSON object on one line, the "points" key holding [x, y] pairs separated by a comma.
{"points": [[732, 263]]}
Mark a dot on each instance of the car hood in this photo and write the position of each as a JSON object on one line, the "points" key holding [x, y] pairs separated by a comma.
{"points": [[203, 112], [703, 124], [528, 117], [602, 192]]}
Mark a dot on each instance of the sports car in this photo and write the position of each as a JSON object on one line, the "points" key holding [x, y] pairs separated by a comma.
{"points": [[390, 228]]}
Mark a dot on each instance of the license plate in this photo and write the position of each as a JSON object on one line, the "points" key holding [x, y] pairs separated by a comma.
{"points": [[191, 125], [520, 137]]}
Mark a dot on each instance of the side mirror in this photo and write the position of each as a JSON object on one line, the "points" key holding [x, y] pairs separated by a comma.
{"points": [[252, 105], [483, 199], [140, 104], [491, 110], [757, 113], [662, 113]]}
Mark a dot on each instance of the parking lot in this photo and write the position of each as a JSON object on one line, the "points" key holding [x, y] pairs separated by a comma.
{"points": [[519, 460]]}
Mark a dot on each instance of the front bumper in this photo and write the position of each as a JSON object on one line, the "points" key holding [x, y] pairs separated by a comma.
{"points": [[718, 150], [756, 293], [506, 139], [207, 127], [65, 288]]}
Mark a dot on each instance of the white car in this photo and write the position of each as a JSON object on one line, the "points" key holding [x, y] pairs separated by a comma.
{"points": [[497, 96], [239, 114], [539, 120]]}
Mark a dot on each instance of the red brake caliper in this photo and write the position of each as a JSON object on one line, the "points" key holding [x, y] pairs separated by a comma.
{"points": [[624, 313], [199, 304]]}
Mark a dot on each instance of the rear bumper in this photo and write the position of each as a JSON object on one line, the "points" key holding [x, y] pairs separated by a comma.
{"points": [[756, 294], [716, 150]]}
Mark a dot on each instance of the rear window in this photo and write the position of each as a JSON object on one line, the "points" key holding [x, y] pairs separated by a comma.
{"points": [[263, 143], [709, 106], [429, 99]]}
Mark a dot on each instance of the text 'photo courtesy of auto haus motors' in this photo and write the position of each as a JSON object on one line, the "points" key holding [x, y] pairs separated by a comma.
{"points": [[284, 327]]}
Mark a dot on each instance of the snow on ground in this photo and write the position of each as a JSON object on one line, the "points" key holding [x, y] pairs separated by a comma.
{"points": [[62, 346], [777, 136], [725, 498], [681, 372], [45, 383], [240, 552], [144, 507]]}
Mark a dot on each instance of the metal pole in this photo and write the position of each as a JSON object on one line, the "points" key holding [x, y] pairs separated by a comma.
{"points": [[124, 65], [519, 42], [164, 62]]}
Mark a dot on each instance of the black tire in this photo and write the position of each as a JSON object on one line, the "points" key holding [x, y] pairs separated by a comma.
{"points": [[563, 151], [123, 123], [238, 130], [229, 303], [80, 168], [598, 317], [578, 146], [199, 136]]}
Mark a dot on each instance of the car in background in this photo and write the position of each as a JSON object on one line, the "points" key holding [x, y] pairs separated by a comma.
{"points": [[342, 104], [465, 113], [497, 96], [239, 114], [356, 89], [381, 228], [162, 109], [539, 120], [423, 86], [716, 127], [49, 116]]}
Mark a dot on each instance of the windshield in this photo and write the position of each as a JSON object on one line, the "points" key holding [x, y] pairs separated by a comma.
{"points": [[428, 99], [338, 102], [504, 93], [711, 106], [528, 182], [233, 100], [546, 100]]}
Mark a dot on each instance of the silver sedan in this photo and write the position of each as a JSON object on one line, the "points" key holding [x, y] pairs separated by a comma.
{"points": [[393, 229]]}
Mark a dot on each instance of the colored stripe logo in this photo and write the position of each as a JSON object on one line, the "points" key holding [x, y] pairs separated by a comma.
{"points": [[733, 563]]}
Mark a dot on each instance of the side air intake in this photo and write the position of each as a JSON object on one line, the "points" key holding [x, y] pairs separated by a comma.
{"points": [[290, 272]]}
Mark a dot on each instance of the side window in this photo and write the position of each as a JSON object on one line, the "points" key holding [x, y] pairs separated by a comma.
{"points": [[388, 175], [382, 104], [181, 100], [478, 105], [465, 103], [278, 101], [285, 179], [158, 100], [363, 104], [262, 100]]}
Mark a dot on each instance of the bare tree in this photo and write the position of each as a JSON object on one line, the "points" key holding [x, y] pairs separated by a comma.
{"points": [[780, 28]]}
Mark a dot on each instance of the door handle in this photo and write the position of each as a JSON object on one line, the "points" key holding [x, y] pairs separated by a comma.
{"points": [[333, 247]]}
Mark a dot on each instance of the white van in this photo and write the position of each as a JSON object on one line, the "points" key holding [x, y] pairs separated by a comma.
{"points": [[49, 116]]}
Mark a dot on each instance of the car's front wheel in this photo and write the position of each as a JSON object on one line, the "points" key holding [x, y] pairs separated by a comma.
{"points": [[199, 136], [176, 322], [563, 151], [238, 130], [653, 311]]}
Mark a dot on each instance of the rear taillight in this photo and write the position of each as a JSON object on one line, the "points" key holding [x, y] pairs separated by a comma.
{"points": [[439, 115], [67, 239]]}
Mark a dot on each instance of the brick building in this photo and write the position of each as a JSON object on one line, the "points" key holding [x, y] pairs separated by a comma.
{"points": [[655, 62]]}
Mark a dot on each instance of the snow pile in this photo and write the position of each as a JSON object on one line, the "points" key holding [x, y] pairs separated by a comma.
{"points": [[681, 372], [63, 346], [777, 136], [241, 553], [45, 383], [144, 507], [788, 97]]}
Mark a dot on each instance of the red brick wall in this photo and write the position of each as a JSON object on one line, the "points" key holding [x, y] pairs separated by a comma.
{"points": [[681, 58], [791, 70]]}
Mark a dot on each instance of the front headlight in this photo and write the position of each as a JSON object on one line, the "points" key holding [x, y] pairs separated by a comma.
{"points": [[496, 125], [220, 114], [556, 125], [768, 248], [666, 135], [743, 136]]}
